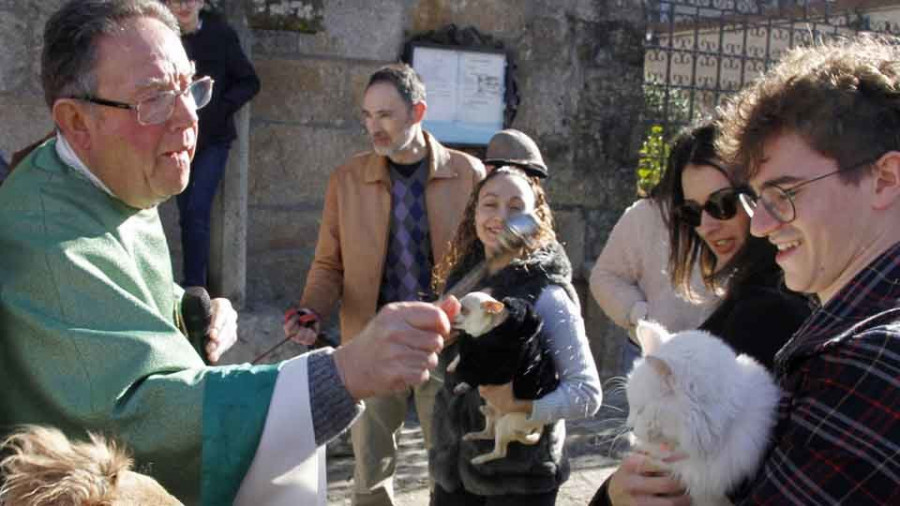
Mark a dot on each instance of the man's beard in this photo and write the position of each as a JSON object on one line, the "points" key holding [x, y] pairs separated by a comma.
{"points": [[404, 142]]}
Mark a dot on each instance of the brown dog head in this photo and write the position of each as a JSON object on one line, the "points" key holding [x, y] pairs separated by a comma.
{"points": [[44, 468]]}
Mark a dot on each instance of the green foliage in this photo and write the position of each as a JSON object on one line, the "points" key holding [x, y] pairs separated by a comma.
{"points": [[653, 154], [661, 107]]}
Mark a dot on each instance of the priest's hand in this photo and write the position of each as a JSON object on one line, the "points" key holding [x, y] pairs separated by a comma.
{"points": [[397, 349], [222, 329]]}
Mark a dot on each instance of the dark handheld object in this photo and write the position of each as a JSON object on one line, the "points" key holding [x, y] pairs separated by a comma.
{"points": [[307, 320], [518, 231], [196, 311]]}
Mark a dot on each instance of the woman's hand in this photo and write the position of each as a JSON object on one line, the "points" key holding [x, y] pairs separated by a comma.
{"points": [[502, 399], [644, 481]]}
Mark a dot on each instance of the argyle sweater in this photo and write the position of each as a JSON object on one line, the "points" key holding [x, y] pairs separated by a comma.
{"points": [[408, 263]]}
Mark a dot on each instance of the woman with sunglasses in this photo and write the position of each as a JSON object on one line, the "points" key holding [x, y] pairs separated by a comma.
{"points": [[756, 316], [630, 279]]}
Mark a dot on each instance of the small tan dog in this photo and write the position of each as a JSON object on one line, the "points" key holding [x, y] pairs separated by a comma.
{"points": [[479, 316], [44, 468], [479, 313]]}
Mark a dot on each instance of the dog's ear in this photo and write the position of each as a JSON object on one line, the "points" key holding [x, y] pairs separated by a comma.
{"points": [[492, 306]]}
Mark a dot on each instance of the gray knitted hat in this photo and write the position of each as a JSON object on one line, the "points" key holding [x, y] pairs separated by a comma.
{"points": [[512, 147]]}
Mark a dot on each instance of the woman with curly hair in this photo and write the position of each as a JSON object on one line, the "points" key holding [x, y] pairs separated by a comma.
{"points": [[539, 273]]}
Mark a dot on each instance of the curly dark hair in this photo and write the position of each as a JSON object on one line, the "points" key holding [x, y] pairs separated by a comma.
{"points": [[466, 248]]}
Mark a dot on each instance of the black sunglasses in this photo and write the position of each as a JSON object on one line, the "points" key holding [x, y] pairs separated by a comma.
{"points": [[721, 205]]}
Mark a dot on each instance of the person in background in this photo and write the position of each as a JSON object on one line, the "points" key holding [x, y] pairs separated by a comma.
{"points": [[216, 51], [90, 314], [708, 228], [539, 273], [757, 314], [388, 217], [632, 281], [514, 148]]}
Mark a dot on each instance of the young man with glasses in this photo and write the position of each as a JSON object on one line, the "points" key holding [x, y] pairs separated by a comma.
{"points": [[817, 140], [90, 316]]}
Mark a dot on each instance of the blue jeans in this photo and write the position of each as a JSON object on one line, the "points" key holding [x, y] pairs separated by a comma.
{"points": [[195, 208]]}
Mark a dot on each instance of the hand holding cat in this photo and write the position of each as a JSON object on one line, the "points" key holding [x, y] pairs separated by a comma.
{"points": [[397, 349], [501, 397], [642, 480]]}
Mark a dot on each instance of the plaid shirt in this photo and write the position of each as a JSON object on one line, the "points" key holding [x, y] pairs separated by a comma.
{"points": [[837, 438]]}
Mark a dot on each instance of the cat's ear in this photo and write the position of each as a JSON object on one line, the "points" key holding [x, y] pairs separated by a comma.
{"points": [[650, 336], [492, 306], [662, 370]]}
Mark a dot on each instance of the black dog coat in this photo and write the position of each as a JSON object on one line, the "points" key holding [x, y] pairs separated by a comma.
{"points": [[511, 351]]}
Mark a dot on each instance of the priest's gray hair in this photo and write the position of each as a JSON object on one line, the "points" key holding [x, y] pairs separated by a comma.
{"points": [[70, 41]]}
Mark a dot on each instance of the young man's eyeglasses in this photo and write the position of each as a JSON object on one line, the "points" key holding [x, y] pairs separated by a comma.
{"points": [[779, 202], [158, 108], [721, 205]]}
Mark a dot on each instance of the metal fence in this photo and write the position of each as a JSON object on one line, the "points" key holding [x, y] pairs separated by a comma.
{"points": [[700, 51]]}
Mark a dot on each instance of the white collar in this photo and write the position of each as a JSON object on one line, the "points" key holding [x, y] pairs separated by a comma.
{"points": [[68, 156]]}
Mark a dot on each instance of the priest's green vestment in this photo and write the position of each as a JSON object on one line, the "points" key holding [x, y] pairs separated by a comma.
{"points": [[89, 336]]}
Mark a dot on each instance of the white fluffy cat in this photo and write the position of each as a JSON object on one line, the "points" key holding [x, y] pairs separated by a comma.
{"points": [[690, 394]]}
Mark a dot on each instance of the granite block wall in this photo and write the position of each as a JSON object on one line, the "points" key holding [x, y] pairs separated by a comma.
{"points": [[578, 68]]}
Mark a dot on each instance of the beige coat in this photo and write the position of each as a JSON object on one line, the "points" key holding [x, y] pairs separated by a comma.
{"points": [[353, 235], [631, 280]]}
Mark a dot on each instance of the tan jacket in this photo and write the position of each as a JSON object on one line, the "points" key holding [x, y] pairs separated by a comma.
{"points": [[353, 235]]}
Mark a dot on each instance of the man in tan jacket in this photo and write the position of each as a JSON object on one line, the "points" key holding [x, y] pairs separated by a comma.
{"points": [[389, 216]]}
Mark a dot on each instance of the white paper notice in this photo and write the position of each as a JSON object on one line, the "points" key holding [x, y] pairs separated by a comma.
{"points": [[482, 88], [464, 92], [439, 69]]}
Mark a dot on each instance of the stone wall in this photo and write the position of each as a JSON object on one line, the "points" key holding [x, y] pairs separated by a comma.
{"points": [[578, 71], [25, 117]]}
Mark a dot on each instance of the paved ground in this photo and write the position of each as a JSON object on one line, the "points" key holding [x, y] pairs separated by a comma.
{"points": [[591, 444]]}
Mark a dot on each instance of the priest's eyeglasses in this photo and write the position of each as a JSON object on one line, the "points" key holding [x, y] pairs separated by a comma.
{"points": [[779, 202], [158, 108]]}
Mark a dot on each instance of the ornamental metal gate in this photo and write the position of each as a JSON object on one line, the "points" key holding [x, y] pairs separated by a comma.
{"points": [[697, 52]]}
